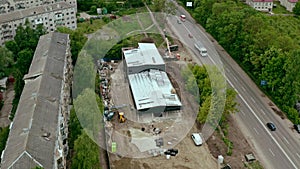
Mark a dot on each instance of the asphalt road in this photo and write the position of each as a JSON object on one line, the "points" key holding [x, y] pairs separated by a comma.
{"points": [[278, 149]]}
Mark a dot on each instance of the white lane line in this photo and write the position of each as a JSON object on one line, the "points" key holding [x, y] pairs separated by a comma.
{"points": [[262, 111], [271, 152], [243, 88], [262, 124], [252, 99], [235, 78], [258, 119], [255, 131], [298, 155], [286, 140], [243, 113]]}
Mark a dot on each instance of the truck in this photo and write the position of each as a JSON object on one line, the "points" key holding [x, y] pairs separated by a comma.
{"points": [[202, 50]]}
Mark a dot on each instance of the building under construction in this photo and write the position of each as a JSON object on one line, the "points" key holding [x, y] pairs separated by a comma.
{"points": [[150, 85]]}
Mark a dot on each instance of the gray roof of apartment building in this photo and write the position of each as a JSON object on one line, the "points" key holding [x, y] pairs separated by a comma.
{"points": [[38, 109], [20, 14]]}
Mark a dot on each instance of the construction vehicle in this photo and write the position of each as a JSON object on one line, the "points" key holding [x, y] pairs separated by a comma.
{"points": [[122, 119]]}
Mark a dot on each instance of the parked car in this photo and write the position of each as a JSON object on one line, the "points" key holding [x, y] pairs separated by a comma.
{"points": [[109, 114], [297, 127], [271, 126], [197, 139]]}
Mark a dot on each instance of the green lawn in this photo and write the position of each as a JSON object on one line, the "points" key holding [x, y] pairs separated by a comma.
{"points": [[87, 27]]}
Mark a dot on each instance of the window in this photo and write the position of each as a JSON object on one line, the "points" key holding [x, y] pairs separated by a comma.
{"points": [[72, 12], [67, 13], [51, 25], [73, 22], [50, 19], [51, 29]]}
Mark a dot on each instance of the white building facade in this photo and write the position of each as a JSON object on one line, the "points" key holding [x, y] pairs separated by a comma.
{"points": [[262, 5], [288, 4]]}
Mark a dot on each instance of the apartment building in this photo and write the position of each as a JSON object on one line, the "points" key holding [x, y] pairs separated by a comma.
{"points": [[288, 4], [38, 134], [7, 6], [50, 16], [261, 5]]}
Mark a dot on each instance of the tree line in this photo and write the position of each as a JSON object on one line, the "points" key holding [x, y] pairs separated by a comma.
{"points": [[266, 47]]}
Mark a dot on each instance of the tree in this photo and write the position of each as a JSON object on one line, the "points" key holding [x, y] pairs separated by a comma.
{"points": [[4, 132], [86, 153], [6, 60], [24, 60], [296, 9]]}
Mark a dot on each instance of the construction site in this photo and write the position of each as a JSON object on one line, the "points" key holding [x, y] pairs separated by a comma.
{"points": [[149, 117]]}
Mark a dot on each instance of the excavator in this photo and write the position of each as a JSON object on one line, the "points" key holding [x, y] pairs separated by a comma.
{"points": [[122, 119]]}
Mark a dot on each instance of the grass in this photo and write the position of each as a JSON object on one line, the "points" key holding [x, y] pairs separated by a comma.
{"points": [[280, 9], [254, 165], [88, 27]]}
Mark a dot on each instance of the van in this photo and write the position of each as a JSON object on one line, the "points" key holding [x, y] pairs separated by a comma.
{"points": [[202, 50]]}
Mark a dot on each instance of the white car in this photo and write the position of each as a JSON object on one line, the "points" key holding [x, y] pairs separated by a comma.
{"points": [[197, 139]]}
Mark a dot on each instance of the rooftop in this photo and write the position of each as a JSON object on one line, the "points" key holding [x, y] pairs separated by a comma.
{"points": [[146, 54], [293, 1], [37, 112], [152, 89], [20, 14]]}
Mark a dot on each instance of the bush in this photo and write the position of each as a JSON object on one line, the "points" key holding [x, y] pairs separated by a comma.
{"points": [[3, 138]]}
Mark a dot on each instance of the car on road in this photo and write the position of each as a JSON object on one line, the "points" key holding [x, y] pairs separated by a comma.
{"points": [[297, 127], [197, 139], [271, 126]]}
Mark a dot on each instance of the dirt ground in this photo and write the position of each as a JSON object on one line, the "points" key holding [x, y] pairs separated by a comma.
{"points": [[5, 111], [189, 156], [240, 145]]}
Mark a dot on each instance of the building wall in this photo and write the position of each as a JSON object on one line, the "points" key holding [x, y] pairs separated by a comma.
{"points": [[50, 20], [138, 69], [61, 150], [288, 5], [262, 6], [13, 5]]}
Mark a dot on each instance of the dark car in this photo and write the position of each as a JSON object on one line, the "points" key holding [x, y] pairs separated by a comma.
{"points": [[271, 126], [297, 127]]}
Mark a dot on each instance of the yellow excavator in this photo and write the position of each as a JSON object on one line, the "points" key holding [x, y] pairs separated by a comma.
{"points": [[122, 119]]}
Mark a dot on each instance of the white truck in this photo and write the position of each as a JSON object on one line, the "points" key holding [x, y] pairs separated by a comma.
{"points": [[202, 50]]}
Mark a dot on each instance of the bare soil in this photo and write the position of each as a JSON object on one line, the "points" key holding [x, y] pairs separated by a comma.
{"points": [[9, 95]]}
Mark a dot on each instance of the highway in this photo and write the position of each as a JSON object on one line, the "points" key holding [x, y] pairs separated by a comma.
{"points": [[278, 149]]}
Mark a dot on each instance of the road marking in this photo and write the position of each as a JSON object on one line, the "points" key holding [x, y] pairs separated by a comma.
{"points": [[252, 99], [243, 88], [271, 152], [252, 111], [262, 124], [255, 131], [235, 78], [243, 113], [286, 140], [262, 111], [298, 155]]}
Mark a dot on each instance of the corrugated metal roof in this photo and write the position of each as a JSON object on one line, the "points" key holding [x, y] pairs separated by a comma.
{"points": [[38, 109], [146, 54], [152, 89]]}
